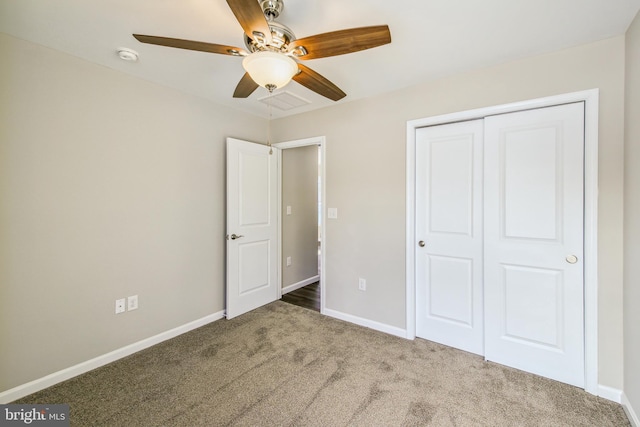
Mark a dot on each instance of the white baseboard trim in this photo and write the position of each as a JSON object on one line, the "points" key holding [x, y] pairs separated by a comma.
{"points": [[392, 330], [631, 414], [73, 371], [610, 393], [300, 284]]}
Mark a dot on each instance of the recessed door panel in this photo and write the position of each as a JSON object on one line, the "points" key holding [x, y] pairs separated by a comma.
{"points": [[533, 303], [254, 266], [530, 159], [451, 290], [254, 177], [451, 185]]}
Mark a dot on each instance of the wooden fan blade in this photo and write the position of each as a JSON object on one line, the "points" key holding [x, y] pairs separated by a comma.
{"points": [[250, 16], [191, 45], [246, 87], [341, 42], [314, 81]]}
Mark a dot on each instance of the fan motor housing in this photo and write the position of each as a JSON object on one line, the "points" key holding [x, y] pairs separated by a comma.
{"points": [[281, 36]]}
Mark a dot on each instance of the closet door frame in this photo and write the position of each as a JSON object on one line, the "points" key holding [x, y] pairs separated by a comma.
{"points": [[590, 99]]}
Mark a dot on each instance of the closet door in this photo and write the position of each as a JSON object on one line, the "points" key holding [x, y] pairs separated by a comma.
{"points": [[449, 235], [533, 252]]}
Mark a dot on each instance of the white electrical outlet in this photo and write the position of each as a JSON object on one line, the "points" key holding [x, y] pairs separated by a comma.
{"points": [[332, 213], [288, 261], [120, 306], [132, 302], [288, 210], [362, 284]]}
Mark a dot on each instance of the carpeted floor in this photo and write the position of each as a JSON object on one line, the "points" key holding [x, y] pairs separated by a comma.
{"points": [[283, 365]]}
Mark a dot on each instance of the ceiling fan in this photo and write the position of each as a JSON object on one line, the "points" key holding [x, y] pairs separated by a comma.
{"points": [[272, 48]]}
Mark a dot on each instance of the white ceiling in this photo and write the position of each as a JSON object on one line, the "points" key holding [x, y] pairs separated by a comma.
{"points": [[430, 38]]}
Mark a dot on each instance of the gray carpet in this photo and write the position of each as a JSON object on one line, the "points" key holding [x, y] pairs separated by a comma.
{"points": [[283, 365]]}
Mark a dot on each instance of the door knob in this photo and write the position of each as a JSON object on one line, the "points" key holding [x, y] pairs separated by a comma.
{"points": [[421, 243], [235, 236], [572, 259]]}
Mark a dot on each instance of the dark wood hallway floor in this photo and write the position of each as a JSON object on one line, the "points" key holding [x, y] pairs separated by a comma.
{"points": [[307, 297]]}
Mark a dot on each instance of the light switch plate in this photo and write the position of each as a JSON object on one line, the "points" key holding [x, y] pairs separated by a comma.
{"points": [[132, 302], [332, 213], [288, 210]]}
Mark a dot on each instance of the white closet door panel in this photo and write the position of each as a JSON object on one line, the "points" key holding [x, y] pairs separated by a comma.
{"points": [[533, 225], [533, 301], [451, 185], [531, 184], [451, 289], [449, 222]]}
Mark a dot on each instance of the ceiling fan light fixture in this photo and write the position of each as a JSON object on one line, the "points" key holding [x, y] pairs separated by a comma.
{"points": [[269, 69]]}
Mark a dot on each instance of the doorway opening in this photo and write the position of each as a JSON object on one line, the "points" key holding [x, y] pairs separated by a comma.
{"points": [[301, 223]]}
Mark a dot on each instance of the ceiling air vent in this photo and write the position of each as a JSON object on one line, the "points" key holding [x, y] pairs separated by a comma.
{"points": [[284, 101]]}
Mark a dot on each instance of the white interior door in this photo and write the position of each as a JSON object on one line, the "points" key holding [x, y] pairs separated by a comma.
{"points": [[534, 241], [449, 235], [252, 226]]}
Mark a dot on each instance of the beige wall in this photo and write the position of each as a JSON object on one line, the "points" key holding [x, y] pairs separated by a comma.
{"points": [[365, 164], [300, 229], [632, 219], [109, 186]]}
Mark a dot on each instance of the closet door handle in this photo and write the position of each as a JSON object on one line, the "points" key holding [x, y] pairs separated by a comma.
{"points": [[235, 236], [572, 259], [421, 243]]}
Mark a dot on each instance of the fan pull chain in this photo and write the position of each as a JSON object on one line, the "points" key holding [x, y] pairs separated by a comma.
{"points": [[269, 125]]}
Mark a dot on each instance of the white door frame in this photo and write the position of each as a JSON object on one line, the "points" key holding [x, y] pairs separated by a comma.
{"points": [[319, 141], [591, 100]]}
